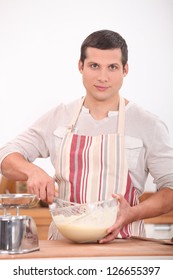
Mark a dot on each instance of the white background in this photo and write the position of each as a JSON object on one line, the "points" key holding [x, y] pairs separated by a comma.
{"points": [[40, 47]]}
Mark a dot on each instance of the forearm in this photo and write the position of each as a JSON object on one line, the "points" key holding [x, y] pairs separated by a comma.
{"points": [[16, 167], [157, 204]]}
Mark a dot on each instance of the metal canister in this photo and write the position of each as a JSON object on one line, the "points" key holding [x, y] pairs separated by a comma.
{"points": [[18, 234]]}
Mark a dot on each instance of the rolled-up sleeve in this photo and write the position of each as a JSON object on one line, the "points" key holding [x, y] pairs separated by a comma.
{"points": [[38, 140], [32, 143]]}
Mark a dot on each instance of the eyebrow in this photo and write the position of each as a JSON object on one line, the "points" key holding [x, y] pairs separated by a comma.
{"points": [[113, 63]]}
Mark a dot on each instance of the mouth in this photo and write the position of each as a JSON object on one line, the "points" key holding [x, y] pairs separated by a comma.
{"points": [[101, 88]]}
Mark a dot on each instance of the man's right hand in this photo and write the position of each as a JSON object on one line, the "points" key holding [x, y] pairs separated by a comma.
{"points": [[41, 184], [17, 168]]}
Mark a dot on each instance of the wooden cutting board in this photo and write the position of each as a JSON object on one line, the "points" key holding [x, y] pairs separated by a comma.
{"points": [[118, 248]]}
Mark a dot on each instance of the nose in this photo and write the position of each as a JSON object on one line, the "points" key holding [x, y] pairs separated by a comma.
{"points": [[103, 76]]}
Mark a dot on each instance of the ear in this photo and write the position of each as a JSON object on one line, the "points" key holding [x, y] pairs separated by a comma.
{"points": [[80, 66], [126, 69]]}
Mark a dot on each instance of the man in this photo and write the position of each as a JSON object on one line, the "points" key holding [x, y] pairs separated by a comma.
{"points": [[101, 145]]}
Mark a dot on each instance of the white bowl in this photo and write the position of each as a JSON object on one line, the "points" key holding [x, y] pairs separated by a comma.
{"points": [[83, 223]]}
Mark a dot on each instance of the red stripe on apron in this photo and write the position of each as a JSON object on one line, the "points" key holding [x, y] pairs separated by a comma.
{"points": [[101, 167], [129, 194], [72, 166], [125, 231], [80, 167], [86, 160]]}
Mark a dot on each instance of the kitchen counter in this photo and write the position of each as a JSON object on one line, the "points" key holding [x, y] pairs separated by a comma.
{"points": [[120, 248]]}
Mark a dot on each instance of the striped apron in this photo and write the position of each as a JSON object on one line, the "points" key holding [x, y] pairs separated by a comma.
{"points": [[92, 168]]}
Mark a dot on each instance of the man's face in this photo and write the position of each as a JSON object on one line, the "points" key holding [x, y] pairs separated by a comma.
{"points": [[103, 73]]}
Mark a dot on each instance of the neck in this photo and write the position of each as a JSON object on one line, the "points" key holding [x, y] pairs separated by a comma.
{"points": [[99, 109]]}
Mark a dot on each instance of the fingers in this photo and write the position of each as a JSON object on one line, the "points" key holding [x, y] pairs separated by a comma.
{"points": [[119, 197], [114, 230], [44, 189], [42, 192], [35, 191], [107, 239], [112, 234], [47, 190], [50, 191]]}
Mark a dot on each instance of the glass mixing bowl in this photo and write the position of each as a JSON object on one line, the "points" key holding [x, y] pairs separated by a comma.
{"points": [[84, 223]]}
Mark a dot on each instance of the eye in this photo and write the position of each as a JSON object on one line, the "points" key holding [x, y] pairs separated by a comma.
{"points": [[113, 67], [94, 65]]}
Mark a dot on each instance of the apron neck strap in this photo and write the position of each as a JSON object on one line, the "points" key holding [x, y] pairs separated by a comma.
{"points": [[73, 121]]}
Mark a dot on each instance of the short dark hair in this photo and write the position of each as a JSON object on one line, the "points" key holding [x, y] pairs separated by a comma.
{"points": [[105, 40]]}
